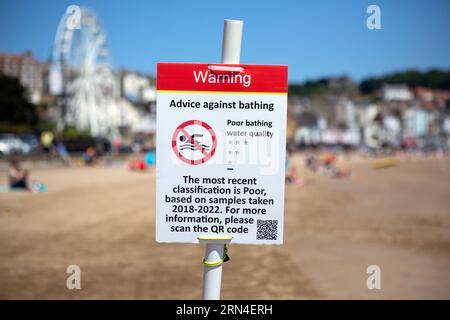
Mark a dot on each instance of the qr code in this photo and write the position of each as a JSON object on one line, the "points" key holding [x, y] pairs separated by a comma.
{"points": [[266, 229]]}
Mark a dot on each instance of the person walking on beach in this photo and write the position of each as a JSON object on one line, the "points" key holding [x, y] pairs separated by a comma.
{"points": [[47, 138]]}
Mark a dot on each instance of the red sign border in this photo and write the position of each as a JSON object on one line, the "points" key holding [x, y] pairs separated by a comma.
{"points": [[176, 76]]}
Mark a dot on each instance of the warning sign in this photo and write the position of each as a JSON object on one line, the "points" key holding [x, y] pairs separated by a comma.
{"points": [[194, 142], [220, 152]]}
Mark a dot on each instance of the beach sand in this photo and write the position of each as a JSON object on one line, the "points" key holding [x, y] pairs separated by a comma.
{"points": [[103, 220]]}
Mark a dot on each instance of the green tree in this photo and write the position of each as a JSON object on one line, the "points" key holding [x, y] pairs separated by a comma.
{"points": [[15, 109], [436, 79], [309, 87]]}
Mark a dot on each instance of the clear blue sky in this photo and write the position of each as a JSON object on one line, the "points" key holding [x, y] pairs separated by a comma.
{"points": [[315, 38]]}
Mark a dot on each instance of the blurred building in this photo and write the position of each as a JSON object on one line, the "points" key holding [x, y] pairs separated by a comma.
{"points": [[446, 125], [398, 92], [415, 122], [140, 91], [308, 131], [137, 88], [432, 98], [372, 126], [395, 116], [27, 70], [393, 128], [341, 84]]}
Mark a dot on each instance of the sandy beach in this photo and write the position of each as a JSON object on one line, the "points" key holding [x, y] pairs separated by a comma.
{"points": [[103, 219]]}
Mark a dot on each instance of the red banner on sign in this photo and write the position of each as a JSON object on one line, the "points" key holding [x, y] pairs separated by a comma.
{"points": [[214, 77]]}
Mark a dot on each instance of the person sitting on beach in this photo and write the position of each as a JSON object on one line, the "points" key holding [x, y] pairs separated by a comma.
{"points": [[312, 163], [292, 177], [89, 156], [330, 168], [18, 177]]}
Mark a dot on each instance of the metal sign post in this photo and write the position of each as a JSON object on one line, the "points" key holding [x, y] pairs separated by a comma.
{"points": [[214, 252], [215, 122]]}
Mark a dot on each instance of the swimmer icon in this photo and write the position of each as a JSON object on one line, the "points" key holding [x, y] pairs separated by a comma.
{"points": [[194, 142]]}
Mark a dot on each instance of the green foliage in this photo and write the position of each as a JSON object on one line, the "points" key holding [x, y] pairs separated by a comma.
{"points": [[15, 127], [436, 79], [71, 133], [309, 87], [15, 109]]}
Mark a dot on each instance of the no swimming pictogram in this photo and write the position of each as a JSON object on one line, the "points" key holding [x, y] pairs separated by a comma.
{"points": [[194, 142]]}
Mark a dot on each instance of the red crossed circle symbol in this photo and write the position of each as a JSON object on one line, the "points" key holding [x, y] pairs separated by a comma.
{"points": [[206, 154]]}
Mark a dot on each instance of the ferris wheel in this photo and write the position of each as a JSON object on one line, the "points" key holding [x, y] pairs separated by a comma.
{"points": [[81, 75]]}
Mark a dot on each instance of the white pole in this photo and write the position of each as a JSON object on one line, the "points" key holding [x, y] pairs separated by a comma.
{"points": [[212, 276], [231, 42]]}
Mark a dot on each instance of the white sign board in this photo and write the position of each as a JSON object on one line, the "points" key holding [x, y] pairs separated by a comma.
{"points": [[220, 152]]}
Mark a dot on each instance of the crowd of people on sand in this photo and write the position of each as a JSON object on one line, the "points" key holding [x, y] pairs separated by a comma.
{"points": [[54, 145], [142, 163], [53, 148], [325, 164]]}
